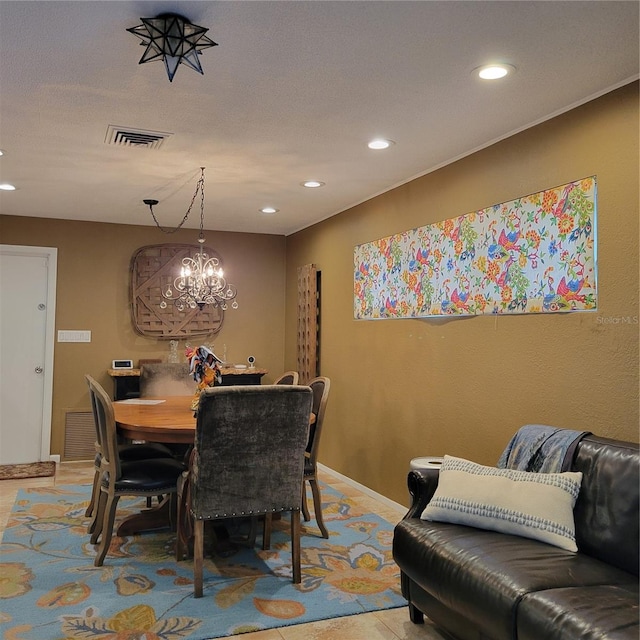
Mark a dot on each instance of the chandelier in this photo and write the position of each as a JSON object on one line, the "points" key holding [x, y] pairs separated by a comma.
{"points": [[174, 40], [201, 281]]}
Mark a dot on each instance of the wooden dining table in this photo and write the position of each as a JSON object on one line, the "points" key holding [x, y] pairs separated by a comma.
{"points": [[169, 420]]}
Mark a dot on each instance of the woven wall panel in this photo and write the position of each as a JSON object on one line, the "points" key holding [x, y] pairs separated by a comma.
{"points": [[153, 268], [307, 338]]}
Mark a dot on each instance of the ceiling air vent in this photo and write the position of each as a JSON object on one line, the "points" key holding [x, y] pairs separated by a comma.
{"points": [[129, 137]]}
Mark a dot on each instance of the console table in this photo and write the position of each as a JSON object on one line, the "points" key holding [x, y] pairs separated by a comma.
{"points": [[126, 382]]}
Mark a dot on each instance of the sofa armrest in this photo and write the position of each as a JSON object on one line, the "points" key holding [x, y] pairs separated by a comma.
{"points": [[422, 485]]}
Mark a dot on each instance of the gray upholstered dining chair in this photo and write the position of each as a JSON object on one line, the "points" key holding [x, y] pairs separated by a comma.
{"points": [[248, 460], [126, 451], [320, 387], [145, 477], [288, 377]]}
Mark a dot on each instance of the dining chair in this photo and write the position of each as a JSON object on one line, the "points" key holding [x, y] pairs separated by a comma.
{"points": [[183, 543], [118, 477], [320, 387], [288, 377], [248, 460], [127, 451]]}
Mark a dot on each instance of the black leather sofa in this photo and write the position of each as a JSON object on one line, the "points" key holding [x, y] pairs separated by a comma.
{"points": [[478, 584]]}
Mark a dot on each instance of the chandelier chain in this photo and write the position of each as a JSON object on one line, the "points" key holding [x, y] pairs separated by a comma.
{"points": [[199, 186]]}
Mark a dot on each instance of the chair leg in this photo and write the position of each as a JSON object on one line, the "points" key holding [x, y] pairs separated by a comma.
{"points": [[184, 528], [179, 545], [305, 508], [317, 506], [173, 511], [295, 547], [198, 557], [95, 492], [94, 504], [266, 532], [95, 528], [253, 532], [107, 529]]}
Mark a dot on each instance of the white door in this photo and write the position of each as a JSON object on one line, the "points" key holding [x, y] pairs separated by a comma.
{"points": [[27, 315]]}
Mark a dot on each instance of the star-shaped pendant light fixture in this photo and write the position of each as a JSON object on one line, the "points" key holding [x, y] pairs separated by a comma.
{"points": [[172, 38]]}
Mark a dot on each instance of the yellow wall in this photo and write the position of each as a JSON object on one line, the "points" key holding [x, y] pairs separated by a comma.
{"points": [[93, 293], [407, 388], [403, 388]]}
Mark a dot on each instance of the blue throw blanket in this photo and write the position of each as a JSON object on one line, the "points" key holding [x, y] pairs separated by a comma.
{"points": [[537, 447]]}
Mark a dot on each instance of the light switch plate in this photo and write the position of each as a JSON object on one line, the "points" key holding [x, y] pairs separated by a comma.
{"points": [[74, 336]]}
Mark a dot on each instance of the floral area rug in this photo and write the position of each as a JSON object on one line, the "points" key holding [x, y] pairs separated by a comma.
{"points": [[50, 590]]}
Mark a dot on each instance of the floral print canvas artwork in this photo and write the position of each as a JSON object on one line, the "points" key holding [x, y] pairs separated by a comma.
{"points": [[535, 254]]}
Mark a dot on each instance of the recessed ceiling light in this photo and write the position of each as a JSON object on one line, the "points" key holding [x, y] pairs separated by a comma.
{"points": [[494, 71], [380, 143], [269, 210], [1, 152], [313, 184], [7, 187]]}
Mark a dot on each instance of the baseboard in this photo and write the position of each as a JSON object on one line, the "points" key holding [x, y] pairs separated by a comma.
{"points": [[400, 508], [55, 458]]}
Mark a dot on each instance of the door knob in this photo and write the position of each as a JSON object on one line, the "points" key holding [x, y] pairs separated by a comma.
{"points": [[38, 369]]}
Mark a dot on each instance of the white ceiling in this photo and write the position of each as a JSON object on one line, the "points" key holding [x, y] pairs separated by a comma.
{"points": [[294, 91]]}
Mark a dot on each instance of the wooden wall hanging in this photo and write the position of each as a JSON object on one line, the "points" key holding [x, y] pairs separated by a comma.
{"points": [[153, 268], [307, 340]]}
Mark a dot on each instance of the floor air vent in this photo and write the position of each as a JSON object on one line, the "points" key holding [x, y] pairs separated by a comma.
{"points": [[129, 137], [79, 435]]}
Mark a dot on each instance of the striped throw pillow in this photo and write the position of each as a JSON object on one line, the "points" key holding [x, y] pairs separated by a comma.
{"points": [[521, 503]]}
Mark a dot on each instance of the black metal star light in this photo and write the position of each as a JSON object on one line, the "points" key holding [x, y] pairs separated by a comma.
{"points": [[172, 38]]}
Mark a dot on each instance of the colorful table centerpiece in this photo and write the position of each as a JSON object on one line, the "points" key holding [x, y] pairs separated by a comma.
{"points": [[204, 366]]}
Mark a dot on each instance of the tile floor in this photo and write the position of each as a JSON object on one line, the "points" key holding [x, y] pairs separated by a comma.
{"points": [[392, 624]]}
